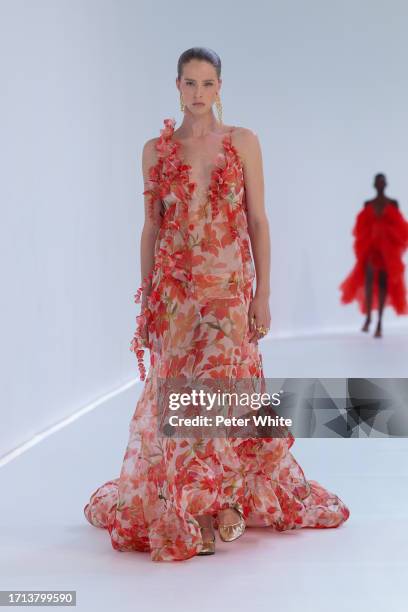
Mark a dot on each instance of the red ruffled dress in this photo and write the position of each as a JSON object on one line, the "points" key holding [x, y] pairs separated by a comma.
{"points": [[380, 240], [197, 319]]}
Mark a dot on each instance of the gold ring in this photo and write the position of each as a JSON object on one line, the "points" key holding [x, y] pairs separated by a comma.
{"points": [[262, 329]]}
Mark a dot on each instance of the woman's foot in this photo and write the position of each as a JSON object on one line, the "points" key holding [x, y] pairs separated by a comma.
{"points": [[378, 331], [207, 534], [366, 325], [231, 524]]}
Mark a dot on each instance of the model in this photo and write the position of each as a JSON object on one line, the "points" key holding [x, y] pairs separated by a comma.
{"points": [[380, 239], [201, 319]]}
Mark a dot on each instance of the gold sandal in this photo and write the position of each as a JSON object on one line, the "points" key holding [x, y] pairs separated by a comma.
{"points": [[229, 533], [208, 547]]}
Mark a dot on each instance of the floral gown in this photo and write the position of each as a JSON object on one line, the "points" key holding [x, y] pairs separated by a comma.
{"points": [[197, 321]]}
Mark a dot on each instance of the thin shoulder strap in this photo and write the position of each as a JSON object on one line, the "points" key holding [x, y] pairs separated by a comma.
{"points": [[229, 134], [164, 143]]}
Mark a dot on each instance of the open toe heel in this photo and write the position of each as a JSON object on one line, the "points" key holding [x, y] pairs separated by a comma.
{"points": [[229, 533], [208, 537]]}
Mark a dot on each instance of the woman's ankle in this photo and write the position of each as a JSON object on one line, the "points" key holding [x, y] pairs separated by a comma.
{"points": [[205, 520]]}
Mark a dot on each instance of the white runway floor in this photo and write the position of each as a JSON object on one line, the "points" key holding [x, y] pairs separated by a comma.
{"points": [[47, 544]]}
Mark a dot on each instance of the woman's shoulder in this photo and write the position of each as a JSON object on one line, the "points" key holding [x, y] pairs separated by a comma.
{"points": [[245, 140], [389, 201], [159, 145], [244, 133], [149, 146], [149, 152]]}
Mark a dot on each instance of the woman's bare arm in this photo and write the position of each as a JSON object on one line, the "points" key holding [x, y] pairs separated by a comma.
{"points": [[151, 225], [258, 225], [247, 144]]}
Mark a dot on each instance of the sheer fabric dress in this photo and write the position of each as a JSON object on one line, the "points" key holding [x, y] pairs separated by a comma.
{"points": [[379, 240], [197, 320]]}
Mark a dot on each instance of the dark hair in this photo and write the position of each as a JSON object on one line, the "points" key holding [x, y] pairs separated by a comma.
{"points": [[199, 53], [379, 174]]}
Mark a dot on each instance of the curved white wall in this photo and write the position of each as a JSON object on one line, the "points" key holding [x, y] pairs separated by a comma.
{"points": [[85, 83]]}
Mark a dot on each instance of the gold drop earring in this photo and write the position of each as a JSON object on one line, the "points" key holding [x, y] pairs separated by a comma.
{"points": [[218, 105], [182, 105]]}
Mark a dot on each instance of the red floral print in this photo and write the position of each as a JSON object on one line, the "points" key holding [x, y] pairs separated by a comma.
{"points": [[197, 320]]}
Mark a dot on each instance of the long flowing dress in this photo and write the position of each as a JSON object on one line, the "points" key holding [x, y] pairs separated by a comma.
{"points": [[379, 240], [197, 320]]}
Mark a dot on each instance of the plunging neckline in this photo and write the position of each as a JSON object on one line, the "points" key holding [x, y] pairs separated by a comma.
{"points": [[382, 210], [180, 156]]}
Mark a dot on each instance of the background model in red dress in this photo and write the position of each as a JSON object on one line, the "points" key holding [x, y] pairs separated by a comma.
{"points": [[380, 239]]}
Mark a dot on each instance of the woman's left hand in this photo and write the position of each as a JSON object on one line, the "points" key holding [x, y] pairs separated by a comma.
{"points": [[259, 307]]}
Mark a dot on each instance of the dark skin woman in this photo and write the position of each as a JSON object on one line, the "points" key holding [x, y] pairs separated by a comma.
{"points": [[377, 278], [378, 204]]}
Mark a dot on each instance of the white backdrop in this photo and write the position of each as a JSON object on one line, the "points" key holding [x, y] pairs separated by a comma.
{"points": [[84, 84]]}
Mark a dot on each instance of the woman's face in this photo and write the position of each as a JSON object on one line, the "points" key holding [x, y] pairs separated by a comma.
{"points": [[380, 182], [199, 84]]}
